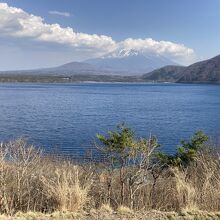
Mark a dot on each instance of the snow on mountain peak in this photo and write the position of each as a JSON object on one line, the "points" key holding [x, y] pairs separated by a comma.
{"points": [[130, 60], [121, 53]]}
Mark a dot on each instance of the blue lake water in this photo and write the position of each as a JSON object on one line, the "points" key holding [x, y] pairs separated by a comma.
{"points": [[68, 116]]}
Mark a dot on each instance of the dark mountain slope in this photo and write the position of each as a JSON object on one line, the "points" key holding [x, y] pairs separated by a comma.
{"points": [[207, 71], [165, 74]]}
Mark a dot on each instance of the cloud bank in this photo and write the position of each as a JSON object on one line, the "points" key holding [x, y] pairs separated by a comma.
{"points": [[17, 24]]}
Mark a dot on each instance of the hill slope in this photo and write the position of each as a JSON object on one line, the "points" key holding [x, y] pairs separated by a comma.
{"points": [[207, 71], [165, 74], [73, 68]]}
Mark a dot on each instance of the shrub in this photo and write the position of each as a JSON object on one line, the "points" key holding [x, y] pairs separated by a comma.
{"points": [[31, 182], [20, 168], [129, 160], [131, 177], [186, 153]]}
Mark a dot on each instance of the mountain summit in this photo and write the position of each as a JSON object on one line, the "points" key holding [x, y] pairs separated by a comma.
{"points": [[130, 61]]}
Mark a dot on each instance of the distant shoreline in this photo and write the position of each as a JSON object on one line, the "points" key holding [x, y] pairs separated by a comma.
{"points": [[86, 79], [24, 78]]}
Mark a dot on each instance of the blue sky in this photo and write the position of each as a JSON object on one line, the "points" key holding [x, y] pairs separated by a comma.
{"points": [[192, 23]]}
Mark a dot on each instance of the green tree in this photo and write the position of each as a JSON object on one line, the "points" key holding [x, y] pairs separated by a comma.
{"points": [[187, 152], [130, 156], [117, 144]]}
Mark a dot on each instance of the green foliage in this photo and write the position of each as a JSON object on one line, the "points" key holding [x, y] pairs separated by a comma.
{"points": [[186, 153], [119, 140], [123, 149], [117, 144]]}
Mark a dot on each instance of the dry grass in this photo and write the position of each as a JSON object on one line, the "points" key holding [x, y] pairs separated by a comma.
{"points": [[31, 182], [65, 189], [106, 208], [149, 215], [123, 210], [191, 189], [20, 168]]}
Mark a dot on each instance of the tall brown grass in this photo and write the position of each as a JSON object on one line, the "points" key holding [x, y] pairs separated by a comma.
{"points": [[65, 188], [32, 181]]}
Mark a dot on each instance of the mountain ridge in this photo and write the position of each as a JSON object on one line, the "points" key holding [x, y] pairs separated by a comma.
{"points": [[125, 62], [170, 73], [130, 61], [203, 71], [206, 71]]}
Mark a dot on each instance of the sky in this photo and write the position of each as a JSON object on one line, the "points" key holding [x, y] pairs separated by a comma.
{"points": [[45, 33]]}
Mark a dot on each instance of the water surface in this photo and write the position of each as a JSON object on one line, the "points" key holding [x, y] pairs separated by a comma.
{"points": [[67, 116]]}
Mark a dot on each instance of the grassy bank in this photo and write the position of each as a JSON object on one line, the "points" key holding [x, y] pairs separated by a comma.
{"points": [[133, 180]]}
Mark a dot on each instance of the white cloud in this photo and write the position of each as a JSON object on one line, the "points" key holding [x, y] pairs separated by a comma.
{"points": [[18, 24], [60, 13], [15, 22], [177, 52]]}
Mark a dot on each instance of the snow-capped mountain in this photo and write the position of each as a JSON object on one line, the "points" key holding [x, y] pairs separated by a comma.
{"points": [[130, 61], [122, 62]]}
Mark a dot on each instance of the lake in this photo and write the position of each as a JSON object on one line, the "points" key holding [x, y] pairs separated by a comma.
{"points": [[68, 116]]}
